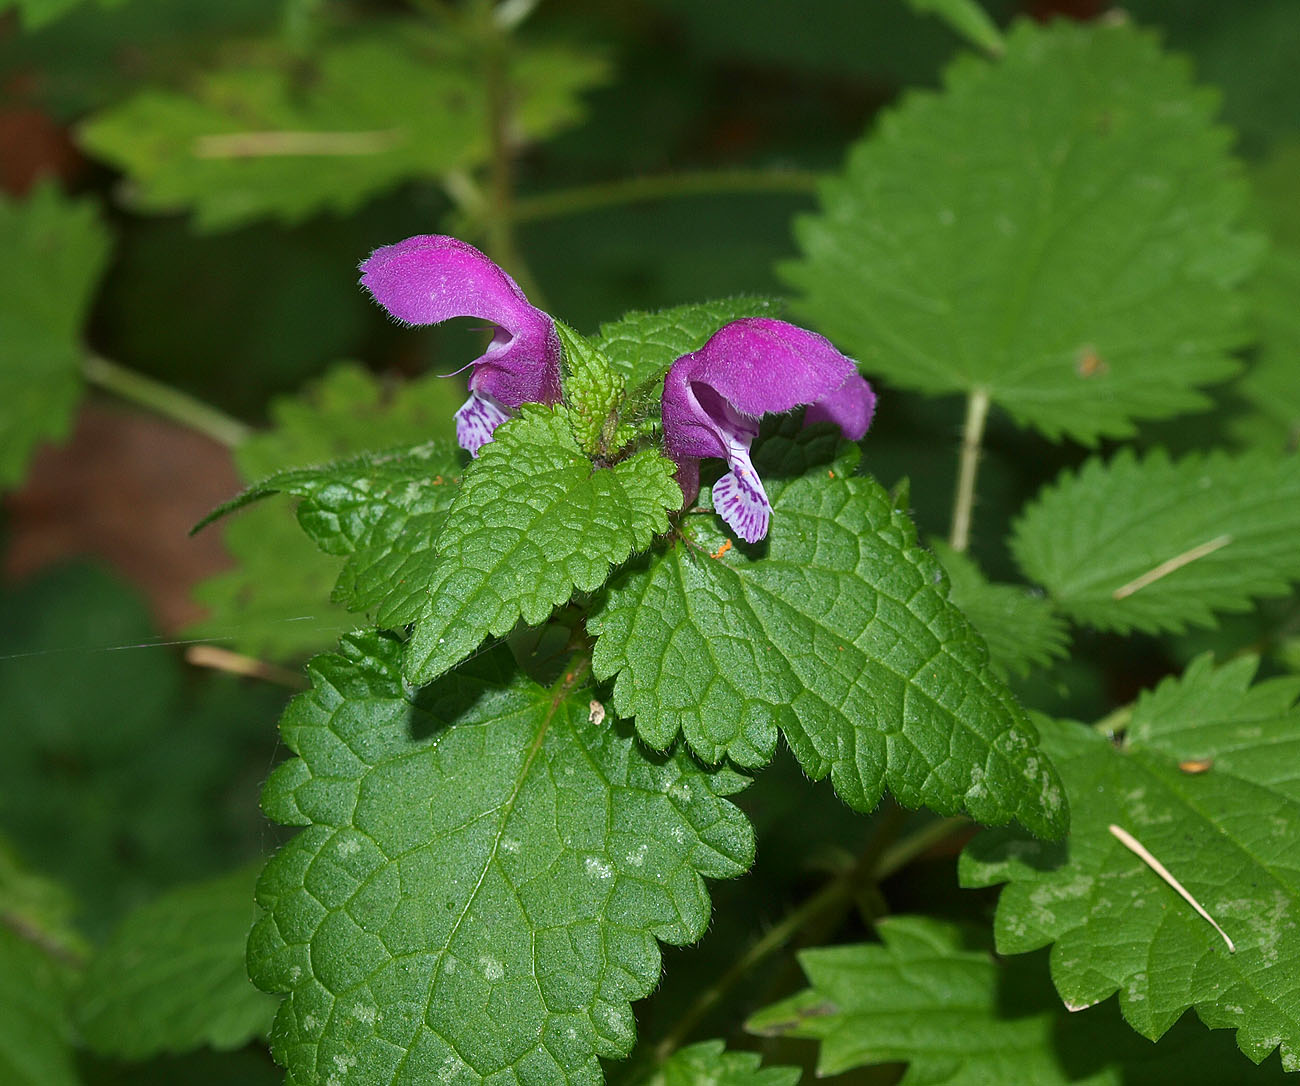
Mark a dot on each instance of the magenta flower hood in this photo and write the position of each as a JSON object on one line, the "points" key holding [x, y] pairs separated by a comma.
{"points": [[431, 278], [714, 398]]}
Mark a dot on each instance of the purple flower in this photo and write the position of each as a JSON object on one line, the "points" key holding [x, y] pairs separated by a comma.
{"points": [[714, 397], [432, 278]]}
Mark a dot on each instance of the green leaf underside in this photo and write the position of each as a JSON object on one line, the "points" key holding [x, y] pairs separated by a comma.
{"points": [[1096, 532], [933, 997], [54, 249], [486, 870], [643, 344], [533, 522], [985, 238], [254, 140], [172, 977], [1020, 629], [709, 1064], [842, 635], [1228, 833]]}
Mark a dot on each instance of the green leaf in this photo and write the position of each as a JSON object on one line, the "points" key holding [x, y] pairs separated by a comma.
{"points": [[39, 953], [1272, 383], [533, 522], [968, 19], [839, 631], [258, 139], [1020, 628], [1155, 544], [642, 345], [37, 13], [709, 1064], [172, 978], [1206, 780], [593, 391], [55, 250], [275, 604], [376, 508], [486, 870], [934, 997], [1060, 229], [35, 1033]]}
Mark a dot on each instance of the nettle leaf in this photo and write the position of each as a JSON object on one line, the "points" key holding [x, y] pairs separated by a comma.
{"points": [[839, 631], [593, 392], [39, 949], [643, 344], [1206, 780], [55, 249], [709, 1064], [256, 140], [932, 996], [486, 870], [383, 510], [274, 601], [1060, 229], [172, 977], [533, 522], [1155, 544], [35, 1030], [1020, 628]]}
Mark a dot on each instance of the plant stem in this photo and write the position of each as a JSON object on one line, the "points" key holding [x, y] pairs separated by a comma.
{"points": [[972, 435], [631, 190], [164, 400], [910, 847], [499, 206], [838, 891]]}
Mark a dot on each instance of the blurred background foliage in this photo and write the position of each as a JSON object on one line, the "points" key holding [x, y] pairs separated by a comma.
{"points": [[187, 188]]}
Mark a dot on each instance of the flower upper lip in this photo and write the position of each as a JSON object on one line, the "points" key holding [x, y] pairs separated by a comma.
{"points": [[431, 278], [755, 366]]}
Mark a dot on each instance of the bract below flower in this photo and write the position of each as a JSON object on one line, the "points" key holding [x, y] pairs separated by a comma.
{"points": [[432, 278], [714, 397]]}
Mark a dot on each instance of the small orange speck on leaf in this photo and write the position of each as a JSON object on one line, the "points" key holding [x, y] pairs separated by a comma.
{"points": [[831, 474], [1090, 363], [1196, 765], [726, 546]]}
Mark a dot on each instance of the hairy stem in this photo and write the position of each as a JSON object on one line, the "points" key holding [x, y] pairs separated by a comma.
{"points": [[164, 400], [811, 914], [972, 436]]}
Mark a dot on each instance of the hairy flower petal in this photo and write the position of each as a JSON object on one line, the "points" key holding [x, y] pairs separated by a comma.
{"points": [[431, 278], [714, 397]]}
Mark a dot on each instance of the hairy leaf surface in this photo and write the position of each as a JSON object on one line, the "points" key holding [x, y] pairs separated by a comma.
{"points": [[839, 632], [934, 997], [1060, 229], [1155, 544], [55, 249], [1208, 780], [486, 869], [532, 522]]}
